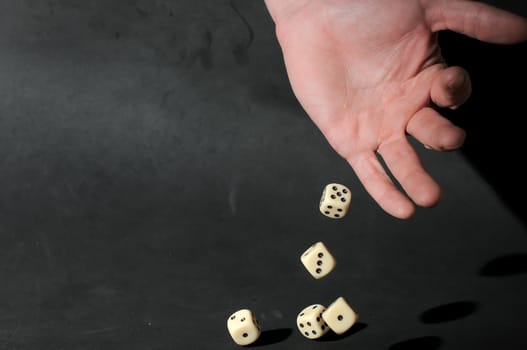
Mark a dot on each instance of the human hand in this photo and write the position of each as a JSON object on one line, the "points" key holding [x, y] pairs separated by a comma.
{"points": [[369, 73]]}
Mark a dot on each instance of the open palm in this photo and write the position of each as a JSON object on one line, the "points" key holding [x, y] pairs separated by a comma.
{"points": [[369, 73]]}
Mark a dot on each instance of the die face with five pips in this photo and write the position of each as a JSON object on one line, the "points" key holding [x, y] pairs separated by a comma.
{"points": [[310, 322]]}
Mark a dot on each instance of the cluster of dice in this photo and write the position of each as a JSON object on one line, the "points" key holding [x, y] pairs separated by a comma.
{"points": [[314, 321]]}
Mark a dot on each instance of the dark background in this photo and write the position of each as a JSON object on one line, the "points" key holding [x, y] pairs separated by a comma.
{"points": [[157, 174]]}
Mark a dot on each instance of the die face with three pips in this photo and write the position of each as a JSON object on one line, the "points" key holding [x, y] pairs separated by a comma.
{"points": [[318, 261]]}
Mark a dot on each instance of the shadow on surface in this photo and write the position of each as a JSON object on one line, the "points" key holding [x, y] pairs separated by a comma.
{"points": [[332, 336], [448, 312], [493, 115], [507, 265], [272, 336], [421, 343]]}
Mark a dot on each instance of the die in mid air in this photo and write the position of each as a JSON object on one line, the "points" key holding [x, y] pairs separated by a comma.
{"points": [[318, 261], [339, 316], [243, 327], [335, 201], [310, 323]]}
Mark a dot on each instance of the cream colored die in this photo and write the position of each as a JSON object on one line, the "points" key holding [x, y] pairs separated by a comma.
{"points": [[243, 327], [318, 260], [310, 323], [335, 201], [339, 316]]}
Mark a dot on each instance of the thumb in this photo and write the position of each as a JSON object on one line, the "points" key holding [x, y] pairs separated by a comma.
{"points": [[477, 20]]}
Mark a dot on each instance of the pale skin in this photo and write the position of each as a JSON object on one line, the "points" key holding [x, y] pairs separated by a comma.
{"points": [[370, 75]]}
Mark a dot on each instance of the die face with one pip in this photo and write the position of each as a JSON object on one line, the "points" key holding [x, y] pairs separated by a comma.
{"points": [[318, 260], [243, 327], [339, 316], [310, 322], [335, 201]]}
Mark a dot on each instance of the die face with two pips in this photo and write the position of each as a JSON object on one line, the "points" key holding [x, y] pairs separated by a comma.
{"points": [[310, 322], [318, 261], [243, 327], [335, 201]]}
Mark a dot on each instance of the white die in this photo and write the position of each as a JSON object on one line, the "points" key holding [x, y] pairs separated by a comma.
{"points": [[310, 323], [339, 316], [318, 260], [335, 201], [243, 327]]}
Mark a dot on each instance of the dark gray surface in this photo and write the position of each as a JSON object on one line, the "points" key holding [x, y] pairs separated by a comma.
{"points": [[157, 174]]}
